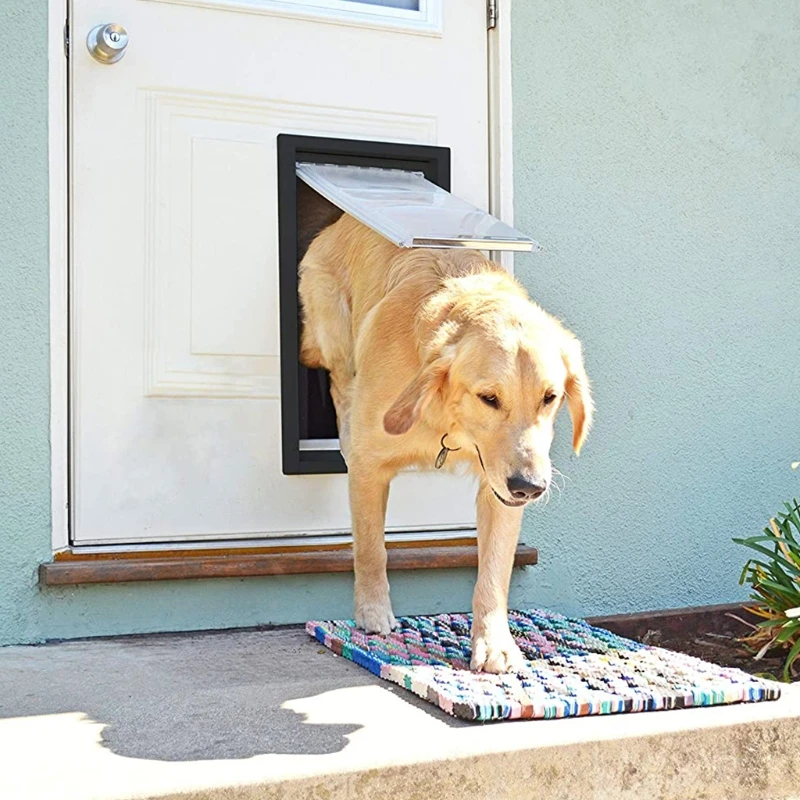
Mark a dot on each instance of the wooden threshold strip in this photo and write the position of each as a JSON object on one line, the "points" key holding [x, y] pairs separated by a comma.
{"points": [[110, 568]]}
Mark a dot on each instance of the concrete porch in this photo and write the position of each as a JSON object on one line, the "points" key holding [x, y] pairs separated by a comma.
{"points": [[270, 714]]}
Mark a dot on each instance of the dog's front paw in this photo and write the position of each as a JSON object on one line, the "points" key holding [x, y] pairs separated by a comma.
{"points": [[496, 652], [375, 616]]}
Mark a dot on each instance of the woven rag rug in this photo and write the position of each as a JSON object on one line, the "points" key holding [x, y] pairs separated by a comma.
{"points": [[573, 669]]}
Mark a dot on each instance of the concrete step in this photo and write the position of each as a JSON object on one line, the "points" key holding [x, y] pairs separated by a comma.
{"points": [[270, 714]]}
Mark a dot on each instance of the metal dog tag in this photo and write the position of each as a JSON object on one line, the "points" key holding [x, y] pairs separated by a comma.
{"points": [[442, 457]]}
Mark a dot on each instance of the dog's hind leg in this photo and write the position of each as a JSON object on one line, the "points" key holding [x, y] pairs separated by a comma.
{"points": [[341, 395], [327, 335], [369, 493], [327, 339]]}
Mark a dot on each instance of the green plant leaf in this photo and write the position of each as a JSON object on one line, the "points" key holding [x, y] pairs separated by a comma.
{"points": [[787, 633], [791, 518], [769, 536], [788, 523], [763, 602], [778, 550], [776, 597], [768, 676], [793, 568], [775, 604], [753, 564], [743, 576], [761, 572], [772, 623], [790, 659], [754, 570], [781, 577], [754, 542], [782, 591]]}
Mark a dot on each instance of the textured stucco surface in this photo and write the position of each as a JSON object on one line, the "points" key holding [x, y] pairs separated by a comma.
{"points": [[24, 287], [657, 159]]}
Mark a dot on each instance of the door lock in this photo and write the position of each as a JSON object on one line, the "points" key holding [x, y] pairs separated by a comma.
{"points": [[107, 43]]}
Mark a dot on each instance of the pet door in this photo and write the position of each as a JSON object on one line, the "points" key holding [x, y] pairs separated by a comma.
{"points": [[401, 191], [409, 210]]}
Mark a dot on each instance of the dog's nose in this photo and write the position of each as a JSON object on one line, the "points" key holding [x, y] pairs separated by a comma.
{"points": [[523, 489]]}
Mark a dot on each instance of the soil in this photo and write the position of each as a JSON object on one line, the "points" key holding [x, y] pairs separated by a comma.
{"points": [[718, 648], [712, 633]]}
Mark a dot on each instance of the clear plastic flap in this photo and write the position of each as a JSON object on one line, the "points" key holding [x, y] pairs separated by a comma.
{"points": [[409, 210]]}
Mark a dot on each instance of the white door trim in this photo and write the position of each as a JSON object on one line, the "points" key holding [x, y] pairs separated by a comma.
{"points": [[59, 272], [501, 196], [501, 143]]}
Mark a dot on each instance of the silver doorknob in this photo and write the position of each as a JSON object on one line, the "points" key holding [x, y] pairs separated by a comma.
{"points": [[107, 43]]}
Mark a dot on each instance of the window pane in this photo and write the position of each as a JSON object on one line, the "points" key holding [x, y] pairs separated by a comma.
{"points": [[410, 5]]}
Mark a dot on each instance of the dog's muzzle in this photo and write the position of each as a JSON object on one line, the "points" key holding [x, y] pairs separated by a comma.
{"points": [[509, 503]]}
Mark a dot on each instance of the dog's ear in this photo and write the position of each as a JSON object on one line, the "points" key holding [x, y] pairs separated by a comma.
{"points": [[579, 397], [411, 402]]}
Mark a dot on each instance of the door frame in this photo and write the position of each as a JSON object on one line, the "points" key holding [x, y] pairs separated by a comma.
{"points": [[58, 168], [501, 204]]}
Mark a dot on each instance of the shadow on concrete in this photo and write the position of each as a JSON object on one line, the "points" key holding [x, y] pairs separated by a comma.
{"points": [[188, 697], [203, 735]]}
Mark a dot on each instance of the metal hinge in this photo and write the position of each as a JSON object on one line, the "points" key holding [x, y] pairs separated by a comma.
{"points": [[66, 39], [491, 14]]}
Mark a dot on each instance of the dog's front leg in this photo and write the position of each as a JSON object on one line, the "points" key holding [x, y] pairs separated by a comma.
{"points": [[369, 493], [493, 648]]}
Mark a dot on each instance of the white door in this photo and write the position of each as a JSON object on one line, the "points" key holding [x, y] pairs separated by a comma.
{"points": [[174, 292]]}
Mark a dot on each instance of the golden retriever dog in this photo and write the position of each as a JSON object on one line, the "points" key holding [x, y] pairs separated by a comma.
{"points": [[438, 355]]}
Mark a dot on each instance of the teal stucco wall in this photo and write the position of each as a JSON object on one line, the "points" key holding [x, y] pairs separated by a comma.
{"points": [[656, 158], [24, 312]]}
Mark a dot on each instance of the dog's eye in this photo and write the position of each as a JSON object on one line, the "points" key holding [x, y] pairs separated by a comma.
{"points": [[490, 400], [548, 398]]}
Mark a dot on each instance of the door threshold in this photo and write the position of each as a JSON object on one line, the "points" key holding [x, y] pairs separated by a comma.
{"points": [[74, 567]]}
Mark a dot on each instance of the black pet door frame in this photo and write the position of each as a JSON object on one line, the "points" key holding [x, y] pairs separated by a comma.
{"points": [[308, 418]]}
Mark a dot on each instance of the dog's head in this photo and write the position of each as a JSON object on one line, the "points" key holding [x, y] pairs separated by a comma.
{"points": [[501, 368]]}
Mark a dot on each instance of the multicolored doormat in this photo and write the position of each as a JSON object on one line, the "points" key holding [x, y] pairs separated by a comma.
{"points": [[573, 669]]}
